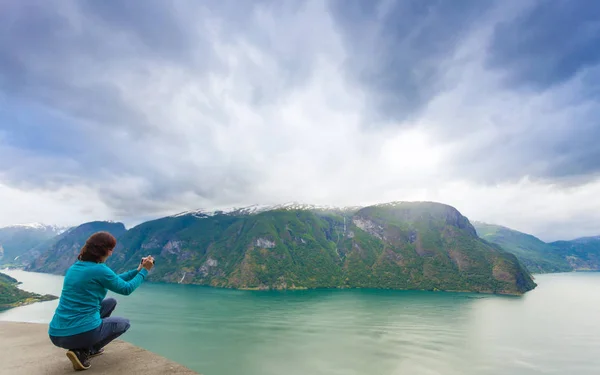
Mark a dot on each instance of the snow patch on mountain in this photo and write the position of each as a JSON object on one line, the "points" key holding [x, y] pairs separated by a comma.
{"points": [[39, 226], [258, 208], [28, 225]]}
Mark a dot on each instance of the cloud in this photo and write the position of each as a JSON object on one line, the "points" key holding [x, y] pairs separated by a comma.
{"points": [[500, 133], [68, 205], [397, 49], [140, 112], [548, 210], [534, 52]]}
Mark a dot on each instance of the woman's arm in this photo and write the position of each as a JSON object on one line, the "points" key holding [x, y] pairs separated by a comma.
{"points": [[113, 282], [131, 274], [127, 276]]}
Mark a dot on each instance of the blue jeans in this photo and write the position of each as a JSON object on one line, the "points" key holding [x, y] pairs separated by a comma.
{"points": [[96, 339]]}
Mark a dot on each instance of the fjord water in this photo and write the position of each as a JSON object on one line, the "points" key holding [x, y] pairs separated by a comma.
{"points": [[553, 329]]}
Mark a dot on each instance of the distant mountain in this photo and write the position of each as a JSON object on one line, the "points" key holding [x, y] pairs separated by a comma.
{"points": [[401, 245], [582, 254], [57, 254], [540, 257], [12, 296], [17, 240], [535, 254]]}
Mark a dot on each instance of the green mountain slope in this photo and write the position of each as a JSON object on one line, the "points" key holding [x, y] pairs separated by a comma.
{"points": [[12, 296], [17, 240], [582, 254], [58, 254], [536, 255], [401, 246]]}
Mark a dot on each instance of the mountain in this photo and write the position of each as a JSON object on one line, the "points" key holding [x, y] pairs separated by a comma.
{"points": [[57, 254], [535, 254], [12, 296], [16, 240], [402, 245], [582, 254]]}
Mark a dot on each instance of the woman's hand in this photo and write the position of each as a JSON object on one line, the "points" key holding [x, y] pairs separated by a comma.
{"points": [[148, 262], [140, 266]]}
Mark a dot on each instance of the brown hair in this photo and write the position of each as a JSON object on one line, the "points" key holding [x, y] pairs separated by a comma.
{"points": [[97, 247]]}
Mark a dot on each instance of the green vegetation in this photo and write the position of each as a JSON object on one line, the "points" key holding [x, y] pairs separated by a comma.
{"points": [[402, 245], [536, 255], [12, 296], [581, 254], [425, 246]]}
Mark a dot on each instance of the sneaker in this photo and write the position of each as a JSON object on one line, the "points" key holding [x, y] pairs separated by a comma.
{"points": [[80, 359], [95, 353]]}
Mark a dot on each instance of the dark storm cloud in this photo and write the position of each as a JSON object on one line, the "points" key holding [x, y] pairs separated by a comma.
{"points": [[156, 25], [50, 60], [401, 52], [50, 53], [396, 49], [66, 120], [548, 44], [549, 52]]}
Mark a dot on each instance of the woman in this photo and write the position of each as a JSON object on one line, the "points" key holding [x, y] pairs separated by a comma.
{"points": [[82, 323]]}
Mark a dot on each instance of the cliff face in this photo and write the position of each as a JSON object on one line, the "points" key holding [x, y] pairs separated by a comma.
{"points": [[399, 245], [582, 254], [438, 248]]}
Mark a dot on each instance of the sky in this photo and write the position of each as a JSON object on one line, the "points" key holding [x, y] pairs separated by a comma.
{"points": [[114, 111]]}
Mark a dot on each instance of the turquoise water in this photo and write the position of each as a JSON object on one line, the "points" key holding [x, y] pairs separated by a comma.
{"points": [[554, 329]]}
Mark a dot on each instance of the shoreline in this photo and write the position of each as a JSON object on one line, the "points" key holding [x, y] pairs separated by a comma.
{"points": [[301, 288], [11, 287], [29, 301]]}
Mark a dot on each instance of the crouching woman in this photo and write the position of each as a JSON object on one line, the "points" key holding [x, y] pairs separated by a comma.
{"points": [[82, 323]]}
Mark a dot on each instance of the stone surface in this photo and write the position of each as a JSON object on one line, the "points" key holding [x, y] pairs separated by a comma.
{"points": [[26, 349]]}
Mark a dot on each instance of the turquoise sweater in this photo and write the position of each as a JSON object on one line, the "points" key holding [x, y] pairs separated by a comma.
{"points": [[84, 287]]}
